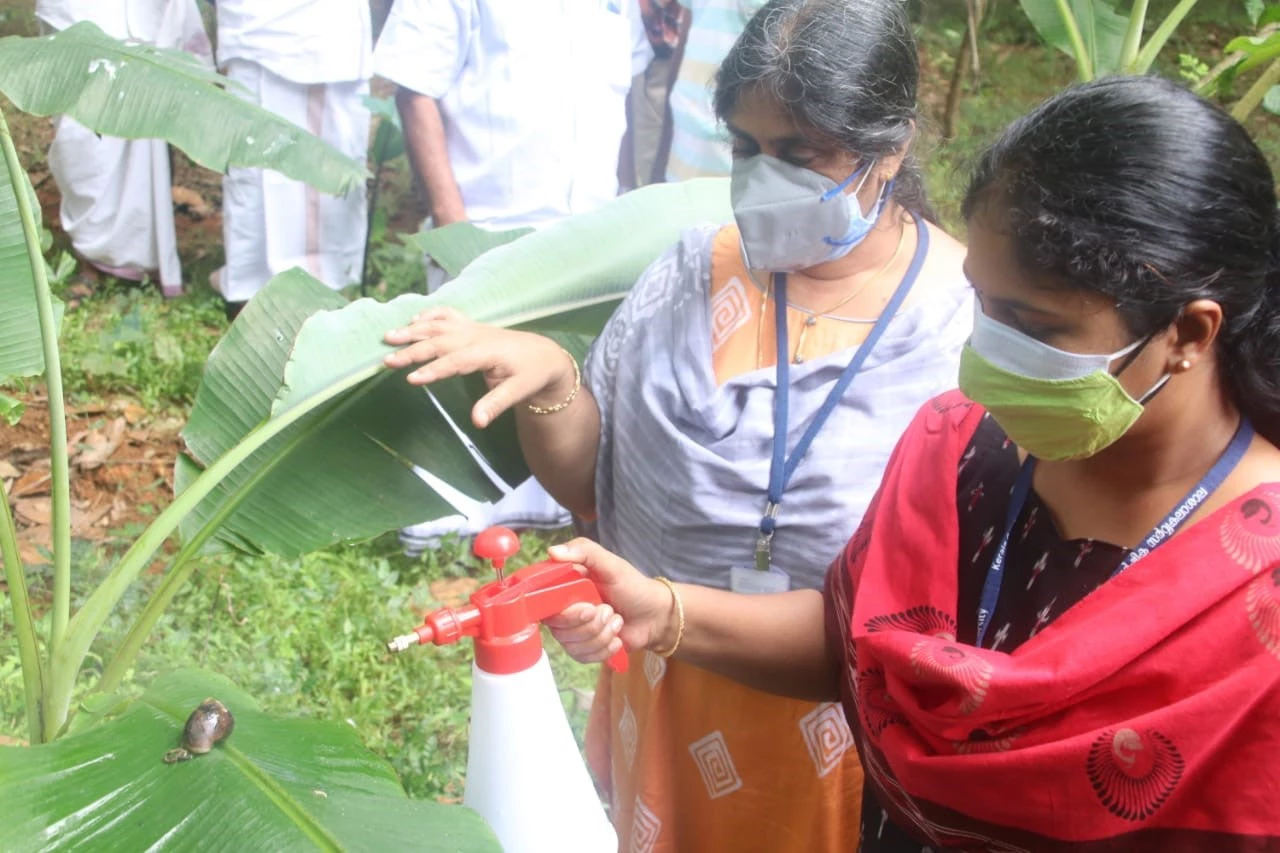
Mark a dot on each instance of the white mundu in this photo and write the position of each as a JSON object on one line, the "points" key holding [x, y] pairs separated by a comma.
{"points": [[116, 194], [308, 61]]}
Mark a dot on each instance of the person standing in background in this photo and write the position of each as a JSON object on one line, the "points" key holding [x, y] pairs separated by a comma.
{"points": [[513, 114], [648, 112], [308, 61], [116, 194], [699, 143], [513, 110]]}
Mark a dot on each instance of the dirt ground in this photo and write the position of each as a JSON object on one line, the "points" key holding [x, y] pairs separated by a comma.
{"points": [[121, 471]]}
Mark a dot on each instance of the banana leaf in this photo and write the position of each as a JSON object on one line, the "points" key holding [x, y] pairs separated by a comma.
{"points": [[21, 353], [1102, 29], [455, 246], [135, 92], [388, 141], [1257, 50], [273, 784], [341, 469]]}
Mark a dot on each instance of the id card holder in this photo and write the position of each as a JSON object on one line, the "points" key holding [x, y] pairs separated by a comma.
{"points": [[757, 582]]}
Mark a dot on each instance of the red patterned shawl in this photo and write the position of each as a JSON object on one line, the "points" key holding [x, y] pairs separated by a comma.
{"points": [[1146, 717]]}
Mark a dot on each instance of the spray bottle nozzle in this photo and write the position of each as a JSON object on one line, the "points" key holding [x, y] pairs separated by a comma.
{"points": [[402, 643], [423, 634], [504, 616]]}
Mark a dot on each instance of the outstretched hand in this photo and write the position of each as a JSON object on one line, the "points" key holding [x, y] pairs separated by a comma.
{"points": [[518, 367]]}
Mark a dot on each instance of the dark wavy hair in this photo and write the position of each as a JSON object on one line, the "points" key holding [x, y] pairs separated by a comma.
{"points": [[1135, 188], [845, 70]]}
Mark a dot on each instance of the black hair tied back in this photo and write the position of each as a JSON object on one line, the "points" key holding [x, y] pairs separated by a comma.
{"points": [[1136, 188]]}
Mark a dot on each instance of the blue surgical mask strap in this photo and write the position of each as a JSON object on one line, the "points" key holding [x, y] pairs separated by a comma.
{"points": [[885, 194], [840, 187]]}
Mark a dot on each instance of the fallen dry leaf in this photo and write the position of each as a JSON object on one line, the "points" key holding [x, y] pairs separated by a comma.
{"points": [[454, 592], [84, 525], [118, 511], [191, 202], [32, 484], [100, 445], [133, 413], [33, 542], [33, 510]]}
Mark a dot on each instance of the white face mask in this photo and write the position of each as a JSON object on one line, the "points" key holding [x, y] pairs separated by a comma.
{"points": [[792, 218], [1022, 355]]}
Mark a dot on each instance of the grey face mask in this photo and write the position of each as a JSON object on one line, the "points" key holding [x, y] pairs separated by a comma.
{"points": [[791, 218]]}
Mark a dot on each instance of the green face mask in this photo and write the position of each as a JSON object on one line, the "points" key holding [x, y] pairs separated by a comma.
{"points": [[1057, 406]]}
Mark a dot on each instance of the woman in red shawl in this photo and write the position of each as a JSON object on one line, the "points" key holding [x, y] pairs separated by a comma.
{"points": [[1058, 627]]}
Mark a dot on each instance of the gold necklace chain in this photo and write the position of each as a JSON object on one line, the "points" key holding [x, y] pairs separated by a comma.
{"points": [[814, 316]]}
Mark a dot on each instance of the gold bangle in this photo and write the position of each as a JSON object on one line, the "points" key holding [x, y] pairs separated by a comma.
{"points": [[678, 603], [573, 395]]}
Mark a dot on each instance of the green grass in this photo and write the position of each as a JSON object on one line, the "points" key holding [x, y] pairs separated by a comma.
{"points": [[125, 341], [306, 638]]}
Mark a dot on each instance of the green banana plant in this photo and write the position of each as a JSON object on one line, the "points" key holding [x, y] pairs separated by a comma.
{"points": [[270, 784], [1245, 54], [100, 781], [131, 91], [1100, 37], [299, 438]]}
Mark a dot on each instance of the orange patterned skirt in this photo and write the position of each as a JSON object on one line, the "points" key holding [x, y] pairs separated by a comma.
{"points": [[695, 763]]}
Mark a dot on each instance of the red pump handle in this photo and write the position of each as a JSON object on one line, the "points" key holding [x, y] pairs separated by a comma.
{"points": [[511, 610], [555, 586], [504, 616]]}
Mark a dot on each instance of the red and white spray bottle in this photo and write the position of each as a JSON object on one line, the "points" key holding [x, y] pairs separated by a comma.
{"points": [[525, 775]]}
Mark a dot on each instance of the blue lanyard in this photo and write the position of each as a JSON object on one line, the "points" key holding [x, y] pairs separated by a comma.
{"points": [[783, 466], [1158, 536]]}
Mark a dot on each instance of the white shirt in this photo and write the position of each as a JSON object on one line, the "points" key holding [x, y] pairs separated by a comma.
{"points": [[303, 41], [165, 23], [533, 93]]}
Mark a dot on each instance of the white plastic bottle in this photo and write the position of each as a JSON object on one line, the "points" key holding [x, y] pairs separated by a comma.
{"points": [[525, 775]]}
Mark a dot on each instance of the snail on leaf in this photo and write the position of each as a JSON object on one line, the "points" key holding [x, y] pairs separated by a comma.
{"points": [[209, 723]]}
